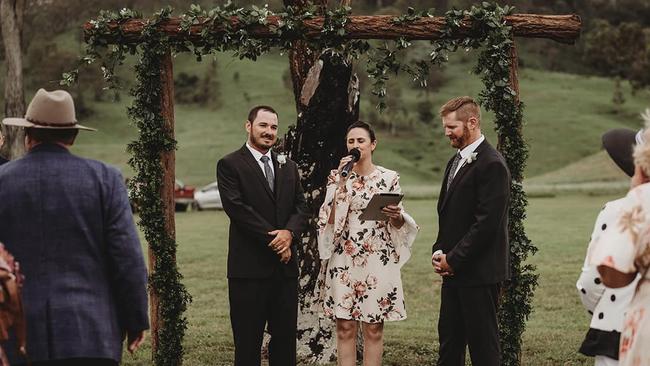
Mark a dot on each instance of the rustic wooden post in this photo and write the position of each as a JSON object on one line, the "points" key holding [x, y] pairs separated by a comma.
{"points": [[521, 280], [514, 85], [514, 70], [168, 162], [560, 28]]}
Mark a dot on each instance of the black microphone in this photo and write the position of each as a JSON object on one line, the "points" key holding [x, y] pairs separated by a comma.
{"points": [[356, 154]]}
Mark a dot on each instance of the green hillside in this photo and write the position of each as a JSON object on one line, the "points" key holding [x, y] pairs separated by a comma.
{"points": [[565, 116]]}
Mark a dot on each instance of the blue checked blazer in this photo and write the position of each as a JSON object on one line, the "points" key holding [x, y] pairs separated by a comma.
{"points": [[67, 220]]}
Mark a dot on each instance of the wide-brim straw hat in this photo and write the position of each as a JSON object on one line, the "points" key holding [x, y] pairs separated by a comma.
{"points": [[619, 144], [49, 110]]}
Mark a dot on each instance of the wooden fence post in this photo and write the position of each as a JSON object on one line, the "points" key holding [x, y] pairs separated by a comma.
{"points": [[168, 162]]}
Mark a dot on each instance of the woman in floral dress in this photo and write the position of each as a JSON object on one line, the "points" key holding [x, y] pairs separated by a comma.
{"points": [[360, 278], [622, 250]]}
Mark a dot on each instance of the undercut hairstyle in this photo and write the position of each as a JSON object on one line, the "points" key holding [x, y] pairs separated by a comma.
{"points": [[253, 112], [365, 126], [51, 135], [465, 107]]}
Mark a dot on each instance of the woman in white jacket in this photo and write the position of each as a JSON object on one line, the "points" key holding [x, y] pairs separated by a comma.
{"points": [[607, 306]]}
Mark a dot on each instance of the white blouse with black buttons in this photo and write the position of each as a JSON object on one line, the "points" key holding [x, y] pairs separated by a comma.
{"points": [[606, 305]]}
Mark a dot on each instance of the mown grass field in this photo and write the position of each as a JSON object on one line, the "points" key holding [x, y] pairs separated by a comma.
{"points": [[559, 226]]}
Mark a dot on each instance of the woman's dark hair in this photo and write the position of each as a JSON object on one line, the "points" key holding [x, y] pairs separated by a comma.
{"points": [[365, 126]]}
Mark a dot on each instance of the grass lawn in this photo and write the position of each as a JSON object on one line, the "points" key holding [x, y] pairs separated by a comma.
{"points": [[560, 227]]}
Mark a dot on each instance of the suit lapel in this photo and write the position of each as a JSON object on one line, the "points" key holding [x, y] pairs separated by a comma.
{"points": [[278, 174], [257, 171], [443, 187], [461, 173]]}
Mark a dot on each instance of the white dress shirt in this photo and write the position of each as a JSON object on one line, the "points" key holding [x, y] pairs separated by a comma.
{"points": [[467, 151], [258, 155]]}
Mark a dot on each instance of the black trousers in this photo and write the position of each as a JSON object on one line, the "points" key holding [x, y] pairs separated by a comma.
{"points": [[77, 362], [468, 318], [254, 303]]}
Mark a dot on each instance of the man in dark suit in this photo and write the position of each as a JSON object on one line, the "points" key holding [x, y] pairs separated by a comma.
{"points": [[67, 221], [471, 251], [262, 196]]}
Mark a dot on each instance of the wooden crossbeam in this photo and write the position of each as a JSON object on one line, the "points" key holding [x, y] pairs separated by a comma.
{"points": [[560, 28]]}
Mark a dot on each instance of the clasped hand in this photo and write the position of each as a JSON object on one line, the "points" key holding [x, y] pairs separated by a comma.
{"points": [[281, 244], [440, 265]]}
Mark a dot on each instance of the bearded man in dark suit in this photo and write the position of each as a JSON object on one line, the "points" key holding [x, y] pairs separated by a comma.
{"points": [[471, 252], [262, 196]]}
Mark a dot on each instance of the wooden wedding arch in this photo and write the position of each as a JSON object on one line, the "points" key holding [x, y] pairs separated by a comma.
{"points": [[130, 32]]}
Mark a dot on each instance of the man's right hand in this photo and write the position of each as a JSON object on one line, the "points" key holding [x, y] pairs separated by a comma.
{"points": [[285, 256], [282, 240], [135, 340], [441, 268]]}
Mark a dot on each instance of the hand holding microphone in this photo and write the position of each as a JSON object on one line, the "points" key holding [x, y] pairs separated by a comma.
{"points": [[347, 163]]}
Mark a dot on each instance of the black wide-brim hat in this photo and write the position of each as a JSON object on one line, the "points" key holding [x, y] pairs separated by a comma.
{"points": [[619, 144]]}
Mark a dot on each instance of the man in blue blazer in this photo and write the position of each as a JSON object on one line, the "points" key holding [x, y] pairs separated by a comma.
{"points": [[67, 220]]}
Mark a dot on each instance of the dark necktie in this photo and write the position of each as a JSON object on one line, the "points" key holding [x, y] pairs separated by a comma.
{"points": [[267, 171], [452, 170]]}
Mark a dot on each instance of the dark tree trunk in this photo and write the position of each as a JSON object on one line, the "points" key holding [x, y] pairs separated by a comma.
{"points": [[11, 20], [327, 102]]}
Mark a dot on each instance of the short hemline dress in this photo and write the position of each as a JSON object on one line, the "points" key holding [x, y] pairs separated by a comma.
{"points": [[360, 275]]}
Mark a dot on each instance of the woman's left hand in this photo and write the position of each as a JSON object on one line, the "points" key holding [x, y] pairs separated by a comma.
{"points": [[394, 214]]}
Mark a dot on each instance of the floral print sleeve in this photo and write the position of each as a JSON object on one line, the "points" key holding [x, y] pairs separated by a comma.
{"points": [[328, 233], [615, 243], [403, 237]]}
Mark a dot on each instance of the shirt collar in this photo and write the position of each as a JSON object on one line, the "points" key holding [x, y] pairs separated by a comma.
{"points": [[256, 154], [469, 149]]}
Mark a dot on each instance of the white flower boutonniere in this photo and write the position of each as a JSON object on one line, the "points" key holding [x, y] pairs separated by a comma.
{"points": [[471, 158], [282, 159]]}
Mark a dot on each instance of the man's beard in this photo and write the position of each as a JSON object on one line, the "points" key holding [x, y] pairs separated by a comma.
{"points": [[460, 142], [260, 143]]}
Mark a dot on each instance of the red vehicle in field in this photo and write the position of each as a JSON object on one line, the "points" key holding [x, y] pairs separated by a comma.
{"points": [[183, 197]]}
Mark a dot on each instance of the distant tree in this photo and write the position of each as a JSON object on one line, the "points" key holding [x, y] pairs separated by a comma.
{"points": [[11, 22], [396, 115], [618, 98], [619, 51], [210, 87], [203, 91], [286, 79], [425, 110]]}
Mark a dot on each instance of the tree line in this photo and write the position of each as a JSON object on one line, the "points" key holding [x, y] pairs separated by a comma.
{"points": [[615, 43]]}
